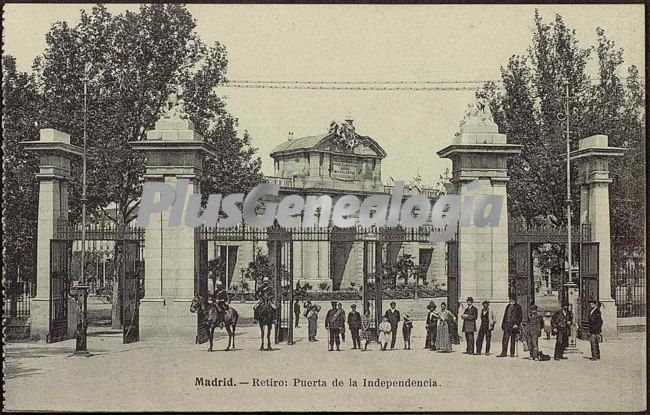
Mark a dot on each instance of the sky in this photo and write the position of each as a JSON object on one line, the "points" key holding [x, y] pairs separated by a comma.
{"points": [[359, 43]]}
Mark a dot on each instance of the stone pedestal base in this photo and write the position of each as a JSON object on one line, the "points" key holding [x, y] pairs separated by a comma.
{"points": [[168, 319], [610, 323], [39, 318], [72, 318]]}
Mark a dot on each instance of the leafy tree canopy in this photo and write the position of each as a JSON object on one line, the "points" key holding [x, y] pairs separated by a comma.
{"points": [[132, 62], [527, 111]]}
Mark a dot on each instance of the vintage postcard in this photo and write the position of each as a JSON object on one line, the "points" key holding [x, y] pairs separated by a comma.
{"points": [[361, 207]]}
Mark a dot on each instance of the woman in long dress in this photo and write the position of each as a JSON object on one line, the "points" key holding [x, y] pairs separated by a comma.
{"points": [[443, 340]]}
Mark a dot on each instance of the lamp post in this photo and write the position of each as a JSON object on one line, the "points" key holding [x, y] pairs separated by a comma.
{"points": [[81, 289], [565, 117], [243, 271]]}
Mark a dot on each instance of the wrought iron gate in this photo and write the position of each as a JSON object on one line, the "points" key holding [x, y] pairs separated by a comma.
{"points": [[371, 292], [521, 276], [131, 291], [453, 277], [280, 243], [588, 280], [60, 256], [201, 289], [128, 242]]}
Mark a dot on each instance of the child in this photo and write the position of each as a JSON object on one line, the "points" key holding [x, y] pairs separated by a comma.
{"points": [[366, 323], [406, 331], [547, 325], [384, 333]]}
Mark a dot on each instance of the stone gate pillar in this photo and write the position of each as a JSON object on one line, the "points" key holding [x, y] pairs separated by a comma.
{"points": [[592, 161], [480, 153], [54, 153], [173, 150]]}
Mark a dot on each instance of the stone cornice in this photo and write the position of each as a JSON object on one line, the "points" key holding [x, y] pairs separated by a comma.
{"points": [[596, 151], [505, 149], [166, 145], [52, 147]]}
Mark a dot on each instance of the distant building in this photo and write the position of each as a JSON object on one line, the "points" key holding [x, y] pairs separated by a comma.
{"points": [[336, 163]]}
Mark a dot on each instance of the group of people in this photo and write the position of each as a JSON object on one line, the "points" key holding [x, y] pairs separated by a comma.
{"points": [[441, 326]]}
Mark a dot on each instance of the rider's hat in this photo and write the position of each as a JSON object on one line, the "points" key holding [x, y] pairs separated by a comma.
{"points": [[219, 282], [265, 279]]}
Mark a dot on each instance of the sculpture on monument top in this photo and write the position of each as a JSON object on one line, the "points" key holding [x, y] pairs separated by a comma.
{"points": [[483, 107], [344, 134], [174, 108], [416, 183], [477, 114]]}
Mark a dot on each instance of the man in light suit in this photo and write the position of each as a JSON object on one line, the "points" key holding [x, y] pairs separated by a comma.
{"points": [[393, 318], [469, 324]]}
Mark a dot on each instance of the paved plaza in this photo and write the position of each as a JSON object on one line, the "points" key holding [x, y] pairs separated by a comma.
{"points": [[160, 374]]}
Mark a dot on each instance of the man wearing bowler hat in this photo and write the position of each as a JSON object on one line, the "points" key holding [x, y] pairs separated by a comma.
{"points": [[469, 324], [485, 330], [510, 325]]}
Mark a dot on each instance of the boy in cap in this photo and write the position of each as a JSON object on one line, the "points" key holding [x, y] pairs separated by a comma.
{"points": [[407, 326], [488, 322]]}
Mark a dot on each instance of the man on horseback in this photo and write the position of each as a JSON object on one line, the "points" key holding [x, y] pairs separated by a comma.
{"points": [[219, 299], [264, 294]]}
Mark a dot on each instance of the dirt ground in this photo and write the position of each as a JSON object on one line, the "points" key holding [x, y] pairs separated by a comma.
{"points": [[161, 374]]}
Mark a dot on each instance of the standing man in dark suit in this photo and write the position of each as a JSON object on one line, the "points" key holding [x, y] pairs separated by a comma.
{"points": [[334, 322], [354, 323], [469, 324], [510, 325], [432, 327], [595, 328], [296, 312], [561, 323], [393, 318], [485, 330]]}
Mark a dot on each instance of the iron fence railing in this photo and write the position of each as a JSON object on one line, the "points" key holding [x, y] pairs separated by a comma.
{"points": [[629, 288], [330, 234]]}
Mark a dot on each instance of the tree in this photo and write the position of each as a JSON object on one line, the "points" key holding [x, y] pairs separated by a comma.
{"points": [[216, 269], [527, 111], [20, 187], [259, 268], [132, 62]]}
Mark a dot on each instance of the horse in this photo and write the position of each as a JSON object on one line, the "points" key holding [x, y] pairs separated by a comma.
{"points": [[265, 316], [210, 316]]}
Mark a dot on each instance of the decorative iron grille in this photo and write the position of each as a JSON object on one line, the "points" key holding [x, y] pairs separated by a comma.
{"points": [[628, 288]]}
